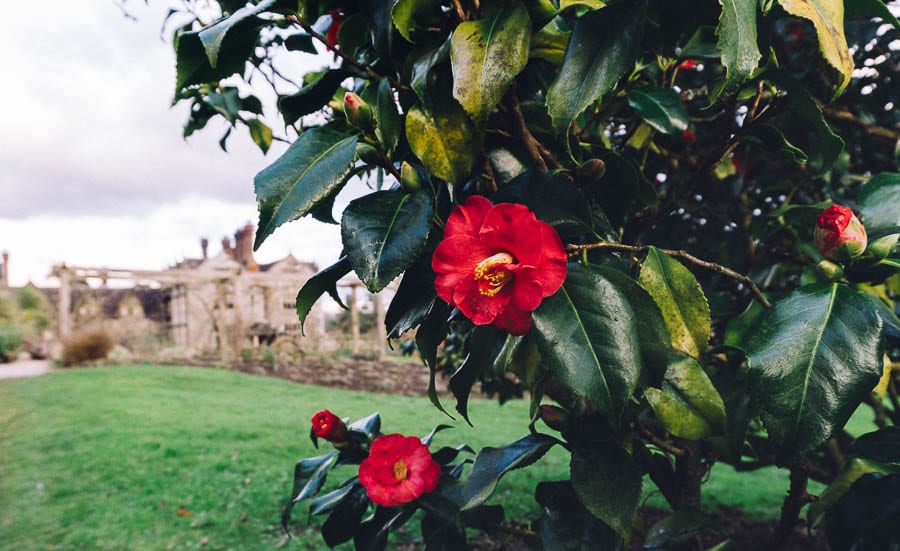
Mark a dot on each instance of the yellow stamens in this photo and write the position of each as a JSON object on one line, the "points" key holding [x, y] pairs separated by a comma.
{"points": [[400, 470], [487, 271]]}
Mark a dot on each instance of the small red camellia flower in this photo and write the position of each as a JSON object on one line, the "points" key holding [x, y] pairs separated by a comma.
{"points": [[329, 426], [335, 27], [398, 470], [839, 234], [497, 263], [687, 65], [689, 136]]}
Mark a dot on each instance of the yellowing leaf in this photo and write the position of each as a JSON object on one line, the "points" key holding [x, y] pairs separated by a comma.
{"points": [[827, 16]]}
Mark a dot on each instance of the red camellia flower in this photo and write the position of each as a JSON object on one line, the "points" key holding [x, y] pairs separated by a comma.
{"points": [[334, 28], [839, 234], [687, 65], [398, 470], [497, 263], [329, 426]]}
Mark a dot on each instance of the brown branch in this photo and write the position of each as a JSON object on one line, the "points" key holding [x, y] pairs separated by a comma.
{"points": [[521, 129], [575, 250], [489, 173], [388, 164], [660, 443], [881, 415], [870, 129], [795, 500]]}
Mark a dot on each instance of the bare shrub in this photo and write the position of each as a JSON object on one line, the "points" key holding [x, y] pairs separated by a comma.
{"points": [[87, 346]]}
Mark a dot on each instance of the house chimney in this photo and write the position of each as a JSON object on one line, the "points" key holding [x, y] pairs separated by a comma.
{"points": [[4, 271], [204, 245], [243, 245], [226, 246]]}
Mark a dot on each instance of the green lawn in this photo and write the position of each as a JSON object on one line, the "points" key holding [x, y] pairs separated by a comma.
{"points": [[155, 457]]}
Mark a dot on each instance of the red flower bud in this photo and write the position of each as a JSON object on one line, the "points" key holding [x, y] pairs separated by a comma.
{"points": [[590, 171], [689, 136], [839, 234], [329, 426], [398, 470], [334, 28], [687, 65], [358, 112], [555, 417]]}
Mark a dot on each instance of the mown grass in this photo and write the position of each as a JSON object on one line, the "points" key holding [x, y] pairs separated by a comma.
{"points": [[153, 457]]}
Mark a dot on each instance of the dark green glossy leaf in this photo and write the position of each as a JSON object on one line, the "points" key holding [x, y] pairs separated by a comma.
{"points": [[814, 357], [413, 300], [688, 406], [882, 446], [214, 36], [770, 140], [599, 334], [608, 483], [344, 520], [389, 124], [300, 43], [227, 103], [553, 200], [603, 47], [443, 138], [309, 476], [480, 359], [737, 41], [621, 188], [565, 525], [866, 518], [312, 96], [661, 108], [429, 336], [373, 532], [440, 535], [370, 425], [422, 64], [492, 463], [406, 15], [486, 55], [828, 145], [326, 503], [679, 528], [680, 299], [878, 202], [853, 470], [306, 174], [378, 14], [323, 282], [384, 232], [192, 63]]}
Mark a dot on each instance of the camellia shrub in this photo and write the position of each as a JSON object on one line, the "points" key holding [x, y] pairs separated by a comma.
{"points": [[672, 222]]}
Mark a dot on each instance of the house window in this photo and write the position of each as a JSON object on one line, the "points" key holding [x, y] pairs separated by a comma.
{"points": [[289, 305]]}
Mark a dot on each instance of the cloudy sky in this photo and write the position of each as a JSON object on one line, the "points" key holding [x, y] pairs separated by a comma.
{"points": [[95, 172]]}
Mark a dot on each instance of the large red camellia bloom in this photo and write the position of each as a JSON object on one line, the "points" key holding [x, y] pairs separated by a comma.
{"points": [[497, 263], [398, 470]]}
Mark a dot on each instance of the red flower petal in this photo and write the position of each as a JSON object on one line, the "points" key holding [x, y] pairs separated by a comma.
{"points": [[502, 223], [555, 260], [527, 291], [454, 260], [481, 309], [468, 217], [516, 321]]}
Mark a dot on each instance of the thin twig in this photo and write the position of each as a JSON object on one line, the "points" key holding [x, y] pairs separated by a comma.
{"points": [[660, 442], [489, 173], [361, 66], [388, 164], [521, 129], [870, 129], [575, 250]]}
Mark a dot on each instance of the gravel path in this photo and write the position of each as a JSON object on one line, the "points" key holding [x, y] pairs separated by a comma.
{"points": [[27, 368]]}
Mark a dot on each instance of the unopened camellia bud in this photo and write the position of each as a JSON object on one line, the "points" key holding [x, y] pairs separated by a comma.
{"points": [[358, 112], [555, 417], [329, 426], [410, 178], [839, 234], [590, 171], [829, 271], [368, 154]]}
